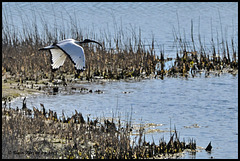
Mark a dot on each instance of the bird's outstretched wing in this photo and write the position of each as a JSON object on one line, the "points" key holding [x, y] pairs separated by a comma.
{"points": [[57, 57], [74, 51]]}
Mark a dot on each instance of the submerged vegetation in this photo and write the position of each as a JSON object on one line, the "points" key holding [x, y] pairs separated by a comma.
{"points": [[37, 133]]}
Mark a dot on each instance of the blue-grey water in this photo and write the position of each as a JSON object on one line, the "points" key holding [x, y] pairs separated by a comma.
{"points": [[211, 104], [107, 20], [205, 109]]}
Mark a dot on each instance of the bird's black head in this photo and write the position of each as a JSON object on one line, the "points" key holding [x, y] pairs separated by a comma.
{"points": [[88, 41]]}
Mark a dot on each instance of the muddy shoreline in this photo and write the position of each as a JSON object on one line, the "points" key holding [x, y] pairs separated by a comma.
{"points": [[13, 88]]}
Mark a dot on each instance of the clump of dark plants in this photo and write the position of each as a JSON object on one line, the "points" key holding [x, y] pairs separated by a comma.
{"points": [[122, 56], [38, 133]]}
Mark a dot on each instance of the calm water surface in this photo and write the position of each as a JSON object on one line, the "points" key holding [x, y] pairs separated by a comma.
{"points": [[155, 19], [209, 103]]}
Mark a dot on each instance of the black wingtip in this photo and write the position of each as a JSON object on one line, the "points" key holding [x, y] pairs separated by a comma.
{"points": [[79, 70], [54, 70]]}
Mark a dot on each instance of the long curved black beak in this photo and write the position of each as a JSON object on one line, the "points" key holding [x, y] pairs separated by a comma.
{"points": [[88, 41]]}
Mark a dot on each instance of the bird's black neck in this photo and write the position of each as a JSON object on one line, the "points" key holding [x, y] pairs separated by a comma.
{"points": [[88, 41]]}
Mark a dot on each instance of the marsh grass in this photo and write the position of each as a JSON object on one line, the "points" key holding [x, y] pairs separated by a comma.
{"points": [[193, 58], [44, 135], [124, 54], [120, 57], [39, 134]]}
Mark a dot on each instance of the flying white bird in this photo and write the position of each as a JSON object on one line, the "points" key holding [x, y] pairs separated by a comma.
{"points": [[68, 47]]}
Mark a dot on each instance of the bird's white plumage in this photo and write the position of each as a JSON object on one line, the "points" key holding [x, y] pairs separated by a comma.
{"points": [[71, 48], [74, 51], [58, 58]]}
